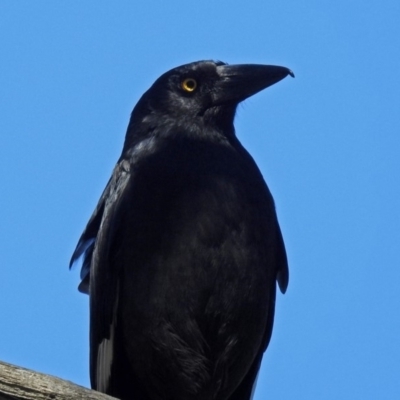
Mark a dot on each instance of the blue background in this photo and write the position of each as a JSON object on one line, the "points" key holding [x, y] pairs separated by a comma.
{"points": [[327, 143]]}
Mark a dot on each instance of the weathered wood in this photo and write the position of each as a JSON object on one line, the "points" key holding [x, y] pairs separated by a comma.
{"points": [[18, 383]]}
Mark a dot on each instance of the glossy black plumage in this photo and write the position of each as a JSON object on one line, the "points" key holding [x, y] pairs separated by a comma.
{"points": [[182, 253]]}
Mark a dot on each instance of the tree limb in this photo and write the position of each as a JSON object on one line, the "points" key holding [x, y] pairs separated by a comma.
{"points": [[18, 383]]}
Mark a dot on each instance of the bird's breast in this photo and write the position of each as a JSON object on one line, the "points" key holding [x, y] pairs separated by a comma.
{"points": [[195, 250], [199, 218]]}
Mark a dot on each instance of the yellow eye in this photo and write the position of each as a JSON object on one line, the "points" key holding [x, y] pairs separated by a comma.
{"points": [[189, 85]]}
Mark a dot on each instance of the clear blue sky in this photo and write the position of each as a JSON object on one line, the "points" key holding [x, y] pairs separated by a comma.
{"points": [[327, 142]]}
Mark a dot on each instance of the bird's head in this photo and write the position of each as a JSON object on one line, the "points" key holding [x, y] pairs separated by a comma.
{"points": [[203, 92]]}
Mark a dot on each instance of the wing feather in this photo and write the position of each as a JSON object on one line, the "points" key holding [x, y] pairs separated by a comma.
{"points": [[104, 280]]}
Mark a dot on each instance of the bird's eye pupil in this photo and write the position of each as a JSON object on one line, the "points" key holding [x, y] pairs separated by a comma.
{"points": [[189, 85]]}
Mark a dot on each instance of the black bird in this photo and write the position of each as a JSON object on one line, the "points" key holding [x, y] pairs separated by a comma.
{"points": [[182, 253]]}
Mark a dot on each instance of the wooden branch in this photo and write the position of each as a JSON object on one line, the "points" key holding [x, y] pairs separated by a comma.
{"points": [[18, 383]]}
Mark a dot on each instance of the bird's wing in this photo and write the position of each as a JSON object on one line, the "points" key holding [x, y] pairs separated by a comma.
{"points": [[98, 278], [282, 275], [104, 283], [87, 240], [246, 389]]}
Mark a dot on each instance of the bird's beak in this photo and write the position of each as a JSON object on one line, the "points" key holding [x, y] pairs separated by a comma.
{"points": [[238, 82]]}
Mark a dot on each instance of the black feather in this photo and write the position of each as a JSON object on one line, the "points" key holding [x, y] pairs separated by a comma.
{"points": [[182, 254]]}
